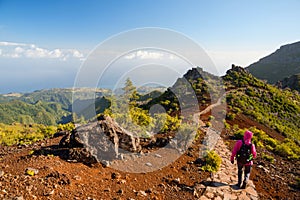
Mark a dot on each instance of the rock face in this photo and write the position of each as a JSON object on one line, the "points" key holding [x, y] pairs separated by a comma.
{"points": [[98, 141], [283, 63], [292, 82]]}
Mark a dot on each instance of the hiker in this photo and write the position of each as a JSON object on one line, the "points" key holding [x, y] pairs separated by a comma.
{"points": [[244, 151]]}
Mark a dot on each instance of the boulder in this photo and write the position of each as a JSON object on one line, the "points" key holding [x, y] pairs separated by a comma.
{"points": [[100, 140]]}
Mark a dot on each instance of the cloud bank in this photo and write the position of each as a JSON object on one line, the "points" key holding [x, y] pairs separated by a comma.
{"points": [[22, 50], [146, 54]]}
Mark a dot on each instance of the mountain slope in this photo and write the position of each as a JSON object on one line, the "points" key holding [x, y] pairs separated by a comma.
{"points": [[283, 63], [39, 112], [292, 82]]}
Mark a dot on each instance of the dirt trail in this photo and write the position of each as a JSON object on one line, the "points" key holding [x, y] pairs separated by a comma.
{"points": [[222, 184]]}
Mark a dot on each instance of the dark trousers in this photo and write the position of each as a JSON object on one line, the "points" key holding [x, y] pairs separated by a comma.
{"points": [[246, 173]]}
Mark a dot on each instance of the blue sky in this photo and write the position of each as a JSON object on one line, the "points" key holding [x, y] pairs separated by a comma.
{"points": [[43, 43]]}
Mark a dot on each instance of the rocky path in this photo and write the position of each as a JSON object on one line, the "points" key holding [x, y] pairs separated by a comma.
{"points": [[222, 185]]}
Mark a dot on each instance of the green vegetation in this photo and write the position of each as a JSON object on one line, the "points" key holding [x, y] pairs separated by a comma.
{"points": [[48, 107], [212, 162], [287, 148], [267, 157], [266, 104], [26, 134], [292, 82], [30, 172], [26, 113], [127, 113]]}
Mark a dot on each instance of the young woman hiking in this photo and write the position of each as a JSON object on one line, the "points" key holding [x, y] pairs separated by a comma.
{"points": [[244, 151]]}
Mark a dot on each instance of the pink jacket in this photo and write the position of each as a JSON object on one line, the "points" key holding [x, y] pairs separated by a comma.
{"points": [[247, 138]]}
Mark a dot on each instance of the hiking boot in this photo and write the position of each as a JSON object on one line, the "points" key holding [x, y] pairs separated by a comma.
{"points": [[238, 185], [244, 185]]}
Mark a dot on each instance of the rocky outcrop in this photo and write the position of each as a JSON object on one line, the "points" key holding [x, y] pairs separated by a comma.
{"points": [[98, 141], [292, 82], [284, 62]]}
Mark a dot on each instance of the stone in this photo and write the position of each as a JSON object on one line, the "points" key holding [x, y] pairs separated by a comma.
{"points": [[220, 192], [251, 191], [158, 156], [218, 198], [209, 195], [253, 197], [49, 193], [115, 175], [203, 198], [76, 177], [176, 180], [105, 163], [142, 193], [19, 198], [1, 173], [211, 189], [228, 196], [121, 181], [148, 164], [243, 197], [149, 191], [120, 191]]}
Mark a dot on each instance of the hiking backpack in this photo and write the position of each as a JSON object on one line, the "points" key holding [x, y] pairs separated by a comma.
{"points": [[244, 155]]}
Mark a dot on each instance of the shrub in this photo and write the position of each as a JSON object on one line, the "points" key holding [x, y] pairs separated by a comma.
{"points": [[239, 134], [267, 157], [283, 150], [212, 162], [227, 126], [269, 148], [211, 118], [208, 124], [164, 122], [186, 134], [65, 127], [230, 116], [272, 142]]}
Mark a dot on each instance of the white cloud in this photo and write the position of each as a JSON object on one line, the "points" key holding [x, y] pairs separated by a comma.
{"points": [[22, 50], [77, 54], [142, 54], [12, 44], [19, 50]]}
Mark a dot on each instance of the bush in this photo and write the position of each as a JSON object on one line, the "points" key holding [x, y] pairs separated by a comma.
{"points": [[272, 142], [283, 150], [186, 134], [230, 116], [164, 122], [267, 157], [239, 134], [66, 127], [211, 118], [208, 124], [212, 162]]}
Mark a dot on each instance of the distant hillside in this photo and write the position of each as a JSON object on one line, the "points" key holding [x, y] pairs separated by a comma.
{"points": [[39, 112], [48, 106], [53, 106], [292, 82], [281, 64]]}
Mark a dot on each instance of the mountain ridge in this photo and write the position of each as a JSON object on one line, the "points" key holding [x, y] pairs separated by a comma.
{"points": [[282, 63]]}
